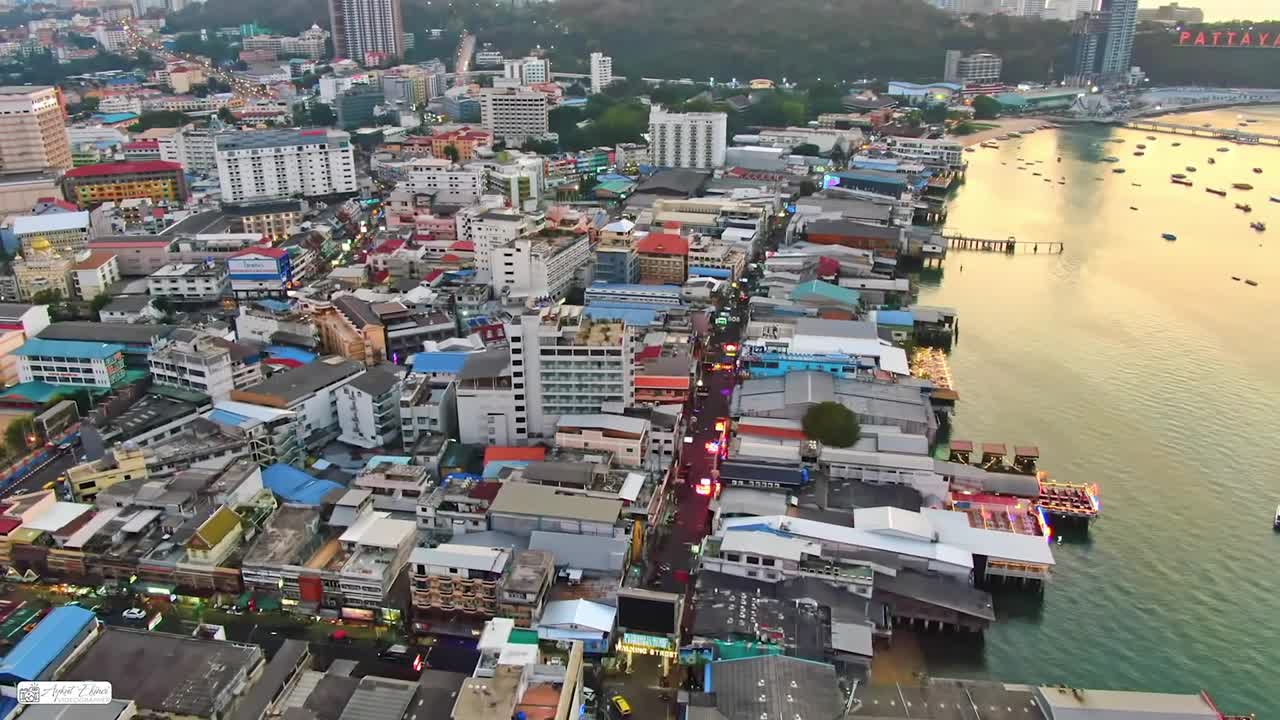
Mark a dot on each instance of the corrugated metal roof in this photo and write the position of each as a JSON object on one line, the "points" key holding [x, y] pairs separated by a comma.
{"points": [[45, 643], [379, 698], [52, 222], [68, 349]]}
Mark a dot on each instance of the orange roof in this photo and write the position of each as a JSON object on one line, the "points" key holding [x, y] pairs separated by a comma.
{"points": [[745, 428], [663, 244], [662, 382], [94, 261], [516, 454]]}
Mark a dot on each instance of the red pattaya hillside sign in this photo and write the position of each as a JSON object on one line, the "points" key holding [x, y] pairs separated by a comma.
{"points": [[1231, 38]]}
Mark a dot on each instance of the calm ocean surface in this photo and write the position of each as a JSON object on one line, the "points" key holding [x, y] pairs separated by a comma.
{"points": [[1141, 365]]}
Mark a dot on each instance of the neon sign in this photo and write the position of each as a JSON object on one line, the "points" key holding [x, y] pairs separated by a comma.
{"points": [[1231, 38]]}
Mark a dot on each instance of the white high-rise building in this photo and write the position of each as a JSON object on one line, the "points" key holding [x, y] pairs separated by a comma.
{"points": [[361, 27], [492, 228], [514, 114], [270, 164], [687, 140], [601, 72], [528, 70]]}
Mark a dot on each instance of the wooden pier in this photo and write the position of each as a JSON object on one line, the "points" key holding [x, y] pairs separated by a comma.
{"points": [[1009, 246], [1237, 136]]}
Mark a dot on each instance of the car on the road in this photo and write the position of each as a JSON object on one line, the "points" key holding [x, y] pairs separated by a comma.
{"points": [[620, 706], [134, 614]]}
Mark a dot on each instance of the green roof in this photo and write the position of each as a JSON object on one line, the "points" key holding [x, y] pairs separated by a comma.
{"points": [[616, 187], [36, 392], [215, 529], [826, 291], [520, 636]]}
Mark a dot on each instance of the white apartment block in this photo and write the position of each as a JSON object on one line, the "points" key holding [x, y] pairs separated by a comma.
{"points": [[427, 405], [935, 153], [369, 409], [570, 364], [539, 266], [450, 183], [491, 399], [515, 114], [94, 275], [528, 70], [270, 164], [601, 72], [111, 39], [194, 361], [197, 150], [189, 282], [492, 228], [687, 140]]}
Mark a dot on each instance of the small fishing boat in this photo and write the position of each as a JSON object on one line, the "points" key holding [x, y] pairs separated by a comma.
{"points": [[1277, 523], [1169, 236], [1207, 125], [1211, 161], [1111, 159], [1062, 182], [1216, 191], [1136, 184], [1242, 186], [990, 144], [1015, 134], [1002, 137], [1037, 174], [1191, 168], [1224, 149], [1141, 146], [969, 149], [1177, 144], [1139, 153], [1180, 181], [1178, 175], [1275, 199], [1118, 171], [1236, 278], [1259, 226], [1258, 170], [1243, 207], [1132, 207], [1252, 283], [1118, 141], [1151, 137]]}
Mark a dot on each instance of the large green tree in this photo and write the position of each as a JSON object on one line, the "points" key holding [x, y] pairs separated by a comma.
{"points": [[20, 435], [985, 107], [831, 423]]}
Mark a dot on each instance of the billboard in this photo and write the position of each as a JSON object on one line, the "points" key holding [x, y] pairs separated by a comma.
{"points": [[253, 266], [1229, 38], [648, 612]]}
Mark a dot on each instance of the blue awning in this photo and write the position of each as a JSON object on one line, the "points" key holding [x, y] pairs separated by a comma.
{"points": [[718, 273]]}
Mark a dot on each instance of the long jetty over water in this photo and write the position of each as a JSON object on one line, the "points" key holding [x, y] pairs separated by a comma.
{"points": [[1009, 246], [1239, 136]]}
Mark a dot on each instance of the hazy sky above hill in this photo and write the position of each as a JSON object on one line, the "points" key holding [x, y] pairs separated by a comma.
{"points": [[1221, 10]]}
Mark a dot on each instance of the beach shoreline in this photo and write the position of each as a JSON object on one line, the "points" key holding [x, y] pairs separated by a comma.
{"points": [[1003, 126]]}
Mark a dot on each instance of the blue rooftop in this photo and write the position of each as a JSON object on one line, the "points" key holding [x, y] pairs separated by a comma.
{"points": [[720, 273], [43, 645], [69, 349], [226, 417], [296, 486], [284, 352], [629, 314], [902, 318], [273, 305], [439, 362]]}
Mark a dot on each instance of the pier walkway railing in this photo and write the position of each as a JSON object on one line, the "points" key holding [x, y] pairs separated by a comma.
{"points": [[1239, 136], [1009, 245]]}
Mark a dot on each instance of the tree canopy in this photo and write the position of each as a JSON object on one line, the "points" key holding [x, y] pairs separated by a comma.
{"points": [[985, 108], [159, 119], [831, 423]]}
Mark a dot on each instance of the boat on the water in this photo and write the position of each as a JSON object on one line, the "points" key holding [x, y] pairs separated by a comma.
{"points": [[1111, 158], [1177, 175], [1037, 174], [1180, 181], [1224, 149], [1211, 161], [1002, 137], [1191, 168], [1242, 186], [1015, 134], [1118, 171], [1259, 226], [1169, 236], [1131, 207], [1136, 184], [1253, 283], [1258, 170], [1275, 199], [1243, 207], [1139, 153], [990, 144], [1276, 525], [1151, 137], [1177, 144], [1119, 141], [969, 149], [1216, 191], [1141, 146]]}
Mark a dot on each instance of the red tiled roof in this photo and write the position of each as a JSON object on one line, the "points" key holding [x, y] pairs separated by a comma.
{"points": [[56, 202], [8, 525], [389, 246], [122, 244], [432, 275], [518, 454], [124, 168], [648, 352], [662, 382], [828, 266], [466, 245], [268, 251], [450, 257], [94, 261], [142, 145], [663, 244]]}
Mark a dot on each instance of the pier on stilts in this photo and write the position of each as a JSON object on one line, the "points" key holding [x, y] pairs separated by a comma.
{"points": [[1008, 246]]}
